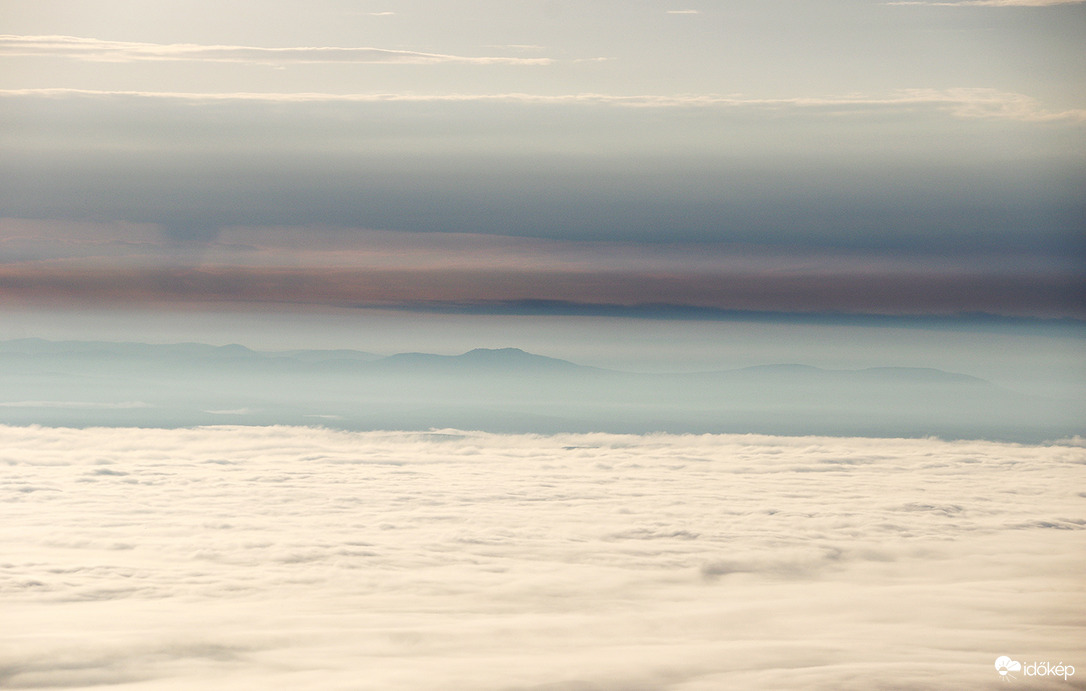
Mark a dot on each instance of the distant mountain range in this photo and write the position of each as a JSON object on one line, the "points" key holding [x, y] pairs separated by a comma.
{"points": [[503, 390]]}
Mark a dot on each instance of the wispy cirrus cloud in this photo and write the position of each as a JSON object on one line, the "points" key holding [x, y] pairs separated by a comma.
{"points": [[989, 3], [960, 102], [97, 50]]}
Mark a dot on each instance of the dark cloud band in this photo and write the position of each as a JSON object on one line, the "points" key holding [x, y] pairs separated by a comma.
{"points": [[539, 291]]}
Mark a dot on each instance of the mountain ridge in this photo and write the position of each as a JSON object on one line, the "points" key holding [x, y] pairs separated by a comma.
{"points": [[507, 357], [501, 390]]}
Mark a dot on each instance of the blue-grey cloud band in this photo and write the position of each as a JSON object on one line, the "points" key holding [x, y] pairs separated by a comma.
{"points": [[480, 291], [897, 180]]}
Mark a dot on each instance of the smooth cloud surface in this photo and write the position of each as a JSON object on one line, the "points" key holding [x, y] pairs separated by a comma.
{"points": [[303, 558]]}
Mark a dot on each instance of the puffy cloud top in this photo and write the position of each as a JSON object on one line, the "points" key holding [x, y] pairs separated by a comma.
{"points": [[273, 557]]}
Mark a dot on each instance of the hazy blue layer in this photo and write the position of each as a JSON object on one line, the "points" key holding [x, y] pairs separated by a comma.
{"points": [[1035, 358], [506, 390]]}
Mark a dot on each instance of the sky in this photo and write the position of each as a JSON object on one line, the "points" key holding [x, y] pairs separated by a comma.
{"points": [[287, 557], [543, 157]]}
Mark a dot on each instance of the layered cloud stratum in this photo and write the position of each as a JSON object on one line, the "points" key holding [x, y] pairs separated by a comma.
{"points": [[56, 263], [285, 557], [95, 50]]}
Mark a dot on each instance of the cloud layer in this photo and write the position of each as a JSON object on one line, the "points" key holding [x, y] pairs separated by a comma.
{"points": [[967, 103], [288, 557], [97, 50], [869, 202], [131, 264]]}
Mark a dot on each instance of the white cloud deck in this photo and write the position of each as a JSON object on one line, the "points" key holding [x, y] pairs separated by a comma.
{"points": [[240, 557]]}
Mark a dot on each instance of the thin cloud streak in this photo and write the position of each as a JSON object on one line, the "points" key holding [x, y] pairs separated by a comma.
{"points": [[990, 3], [963, 103], [95, 50]]}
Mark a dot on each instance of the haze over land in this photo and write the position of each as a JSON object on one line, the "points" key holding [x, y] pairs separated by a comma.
{"points": [[502, 390]]}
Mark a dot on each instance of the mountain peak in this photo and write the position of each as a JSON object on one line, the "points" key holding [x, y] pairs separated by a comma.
{"points": [[491, 359], [505, 357], [498, 352]]}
